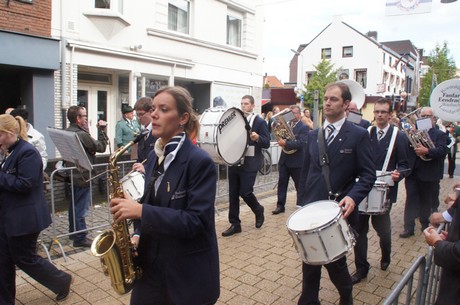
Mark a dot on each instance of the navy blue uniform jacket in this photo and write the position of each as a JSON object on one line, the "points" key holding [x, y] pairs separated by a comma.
{"points": [[23, 208], [350, 157], [252, 164], [294, 160], [447, 255], [178, 229], [399, 157], [431, 170]]}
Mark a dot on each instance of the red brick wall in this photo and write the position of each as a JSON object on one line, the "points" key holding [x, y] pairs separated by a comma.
{"points": [[33, 19]]}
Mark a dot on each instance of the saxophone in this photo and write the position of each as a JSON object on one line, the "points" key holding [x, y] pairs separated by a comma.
{"points": [[114, 246]]}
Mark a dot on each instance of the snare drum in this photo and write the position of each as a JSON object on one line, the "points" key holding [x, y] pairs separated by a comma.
{"points": [[133, 184], [377, 201], [321, 236], [223, 134]]}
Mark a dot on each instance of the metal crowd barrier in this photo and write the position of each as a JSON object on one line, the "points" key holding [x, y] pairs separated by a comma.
{"points": [[60, 193], [427, 281]]}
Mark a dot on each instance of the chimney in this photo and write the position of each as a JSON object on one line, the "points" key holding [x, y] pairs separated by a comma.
{"points": [[372, 34]]}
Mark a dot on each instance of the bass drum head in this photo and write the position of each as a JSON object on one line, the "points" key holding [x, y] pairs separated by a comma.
{"points": [[232, 136], [313, 216]]}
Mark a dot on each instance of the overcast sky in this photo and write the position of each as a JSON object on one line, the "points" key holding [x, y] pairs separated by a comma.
{"points": [[289, 23]]}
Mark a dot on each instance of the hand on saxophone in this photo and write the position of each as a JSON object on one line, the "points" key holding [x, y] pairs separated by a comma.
{"points": [[125, 208]]}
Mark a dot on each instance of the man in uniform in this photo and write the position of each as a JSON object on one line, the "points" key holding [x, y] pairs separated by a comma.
{"points": [[396, 168], [241, 178], [349, 156]]}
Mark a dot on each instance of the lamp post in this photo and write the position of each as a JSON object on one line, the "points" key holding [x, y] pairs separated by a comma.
{"points": [[299, 79]]}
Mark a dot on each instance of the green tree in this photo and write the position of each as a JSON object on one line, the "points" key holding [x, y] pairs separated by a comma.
{"points": [[323, 75], [442, 65]]}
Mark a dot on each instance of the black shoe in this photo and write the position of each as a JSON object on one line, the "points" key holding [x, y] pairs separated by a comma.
{"points": [[65, 291], [85, 243], [406, 234], [278, 210], [357, 277], [348, 301], [260, 217], [384, 265], [232, 230]]}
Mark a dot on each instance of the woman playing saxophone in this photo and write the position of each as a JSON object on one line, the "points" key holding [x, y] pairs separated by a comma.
{"points": [[174, 224]]}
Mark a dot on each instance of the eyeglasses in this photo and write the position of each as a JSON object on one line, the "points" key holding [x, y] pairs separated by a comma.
{"points": [[381, 112], [426, 115], [83, 115]]}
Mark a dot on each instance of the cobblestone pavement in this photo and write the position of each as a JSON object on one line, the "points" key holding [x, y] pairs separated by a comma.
{"points": [[258, 266]]}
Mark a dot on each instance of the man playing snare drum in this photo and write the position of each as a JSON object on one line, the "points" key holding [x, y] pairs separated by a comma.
{"points": [[392, 167], [349, 155]]}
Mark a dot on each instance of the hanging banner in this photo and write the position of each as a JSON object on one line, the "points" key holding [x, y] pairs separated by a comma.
{"points": [[445, 100], [405, 7]]}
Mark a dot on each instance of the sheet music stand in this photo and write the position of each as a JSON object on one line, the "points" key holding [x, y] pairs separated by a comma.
{"points": [[70, 147]]}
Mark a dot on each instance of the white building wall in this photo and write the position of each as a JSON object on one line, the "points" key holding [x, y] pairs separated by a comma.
{"points": [[101, 41], [136, 45], [366, 55]]}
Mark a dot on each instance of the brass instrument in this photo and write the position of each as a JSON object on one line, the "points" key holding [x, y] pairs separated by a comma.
{"points": [[415, 136], [114, 246], [282, 130]]}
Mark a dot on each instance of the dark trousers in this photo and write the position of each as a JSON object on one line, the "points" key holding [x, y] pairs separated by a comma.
{"points": [[419, 202], [451, 162], [382, 225], [241, 183], [80, 205], [283, 182], [339, 275], [21, 251]]}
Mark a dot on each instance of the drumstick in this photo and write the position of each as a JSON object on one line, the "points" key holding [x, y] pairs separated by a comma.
{"points": [[387, 174], [133, 170]]}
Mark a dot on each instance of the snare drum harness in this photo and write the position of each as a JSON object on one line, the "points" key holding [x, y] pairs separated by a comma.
{"points": [[390, 147], [324, 162]]}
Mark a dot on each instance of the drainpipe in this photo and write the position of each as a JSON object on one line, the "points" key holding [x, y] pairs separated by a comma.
{"points": [[63, 82], [63, 71]]}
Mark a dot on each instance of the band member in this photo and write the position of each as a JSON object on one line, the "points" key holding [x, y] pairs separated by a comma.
{"points": [[354, 108], [241, 178], [143, 107], [350, 156], [288, 164], [23, 214], [398, 164], [424, 179], [175, 227]]}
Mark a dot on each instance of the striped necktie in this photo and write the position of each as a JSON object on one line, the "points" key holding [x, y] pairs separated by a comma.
{"points": [[330, 133], [380, 134]]}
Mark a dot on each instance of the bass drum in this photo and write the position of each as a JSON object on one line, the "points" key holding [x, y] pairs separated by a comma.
{"points": [[224, 134]]}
